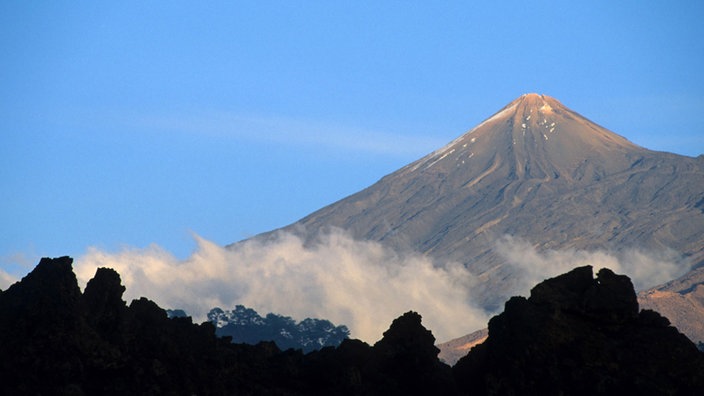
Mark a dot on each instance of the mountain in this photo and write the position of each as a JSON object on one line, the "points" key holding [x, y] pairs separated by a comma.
{"points": [[535, 170], [245, 325]]}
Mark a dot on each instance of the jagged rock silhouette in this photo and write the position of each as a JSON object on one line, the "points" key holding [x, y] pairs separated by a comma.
{"points": [[575, 335], [581, 335]]}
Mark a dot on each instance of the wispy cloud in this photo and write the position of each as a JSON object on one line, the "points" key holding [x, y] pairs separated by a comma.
{"points": [[646, 268], [292, 131]]}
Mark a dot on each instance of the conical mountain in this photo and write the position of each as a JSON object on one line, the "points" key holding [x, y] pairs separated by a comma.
{"points": [[534, 137], [535, 170]]}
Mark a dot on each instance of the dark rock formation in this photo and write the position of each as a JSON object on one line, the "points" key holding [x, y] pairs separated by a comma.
{"points": [[581, 336], [575, 335], [55, 340], [406, 360], [105, 310], [44, 337], [403, 362]]}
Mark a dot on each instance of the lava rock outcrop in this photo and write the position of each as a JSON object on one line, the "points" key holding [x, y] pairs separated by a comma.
{"points": [[580, 335]]}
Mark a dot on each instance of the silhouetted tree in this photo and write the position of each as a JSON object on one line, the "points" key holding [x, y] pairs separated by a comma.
{"points": [[246, 325]]}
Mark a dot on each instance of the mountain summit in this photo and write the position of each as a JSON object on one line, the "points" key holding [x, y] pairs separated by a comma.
{"points": [[533, 137], [535, 170]]}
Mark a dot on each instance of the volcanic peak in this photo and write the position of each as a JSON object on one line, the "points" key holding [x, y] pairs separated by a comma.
{"points": [[534, 98], [577, 187], [536, 136], [534, 106]]}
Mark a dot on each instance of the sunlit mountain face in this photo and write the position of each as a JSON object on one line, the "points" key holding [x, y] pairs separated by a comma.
{"points": [[535, 176]]}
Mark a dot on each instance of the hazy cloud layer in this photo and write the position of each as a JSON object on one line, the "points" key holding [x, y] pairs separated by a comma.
{"points": [[292, 131], [361, 284], [6, 280], [357, 283], [645, 268]]}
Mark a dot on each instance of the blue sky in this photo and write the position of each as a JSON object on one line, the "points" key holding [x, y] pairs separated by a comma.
{"points": [[126, 124]]}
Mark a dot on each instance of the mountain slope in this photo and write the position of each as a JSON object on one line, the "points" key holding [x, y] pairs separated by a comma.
{"points": [[682, 301], [453, 350], [534, 170]]}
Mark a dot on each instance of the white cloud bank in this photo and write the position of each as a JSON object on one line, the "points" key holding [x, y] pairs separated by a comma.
{"points": [[645, 268], [361, 284], [357, 283]]}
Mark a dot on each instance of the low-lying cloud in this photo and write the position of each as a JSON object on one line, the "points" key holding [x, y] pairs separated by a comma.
{"points": [[646, 268], [361, 284]]}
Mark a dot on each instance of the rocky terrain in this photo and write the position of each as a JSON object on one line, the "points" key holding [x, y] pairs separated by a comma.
{"points": [[55, 340], [581, 335], [575, 335], [680, 300]]}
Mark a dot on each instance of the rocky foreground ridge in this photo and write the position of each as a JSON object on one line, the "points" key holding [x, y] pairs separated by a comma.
{"points": [[575, 335], [586, 335]]}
